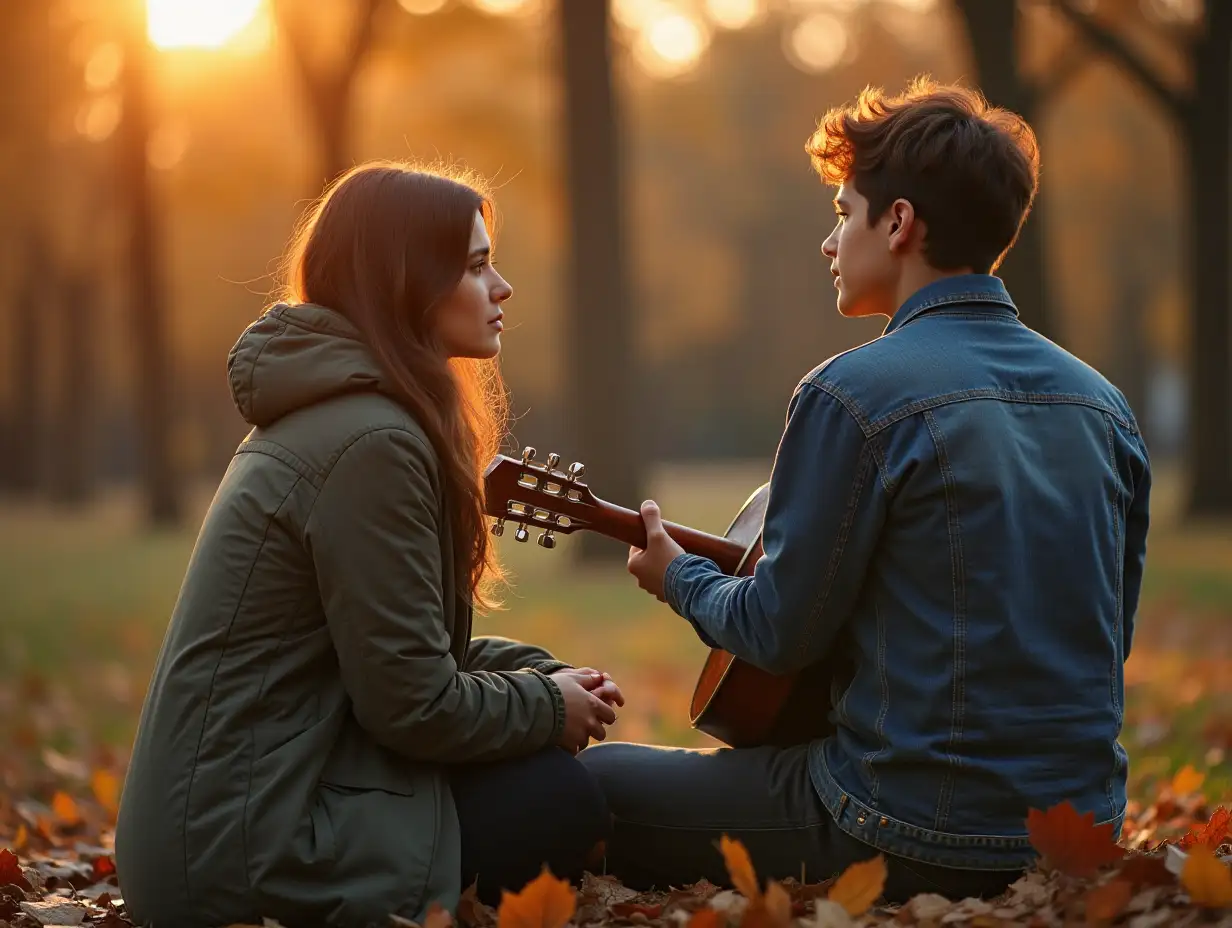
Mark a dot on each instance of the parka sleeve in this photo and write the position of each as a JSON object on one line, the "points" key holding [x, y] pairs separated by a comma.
{"points": [[491, 652], [374, 539]]}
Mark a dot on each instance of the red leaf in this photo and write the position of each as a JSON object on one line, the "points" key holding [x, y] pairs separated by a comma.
{"points": [[1070, 842], [103, 867], [1212, 834], [1142, 870], [10, 870]]}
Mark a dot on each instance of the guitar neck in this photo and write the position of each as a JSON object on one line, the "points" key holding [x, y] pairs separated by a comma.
{"points": [[626, 525]]}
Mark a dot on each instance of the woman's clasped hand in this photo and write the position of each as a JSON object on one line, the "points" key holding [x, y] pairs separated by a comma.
{"points": [[590, 697]]}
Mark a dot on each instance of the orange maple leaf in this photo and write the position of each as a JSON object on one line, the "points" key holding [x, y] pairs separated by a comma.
{"points": [[772, 910], [1207, 879], [1187, 781], [740, 868], [22, 838], [65, 809], [544, 902], [1070, 842], [1216, 830], [106, 787], [1104, 903], [859, 885]]}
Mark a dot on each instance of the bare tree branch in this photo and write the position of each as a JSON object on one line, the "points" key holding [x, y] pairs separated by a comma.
{"points": [[1101, 38], [318, 80], [361, 39], [1067, 65]]}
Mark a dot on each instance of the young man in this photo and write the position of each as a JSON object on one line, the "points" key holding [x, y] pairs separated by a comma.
{"points": [[959, 507]]}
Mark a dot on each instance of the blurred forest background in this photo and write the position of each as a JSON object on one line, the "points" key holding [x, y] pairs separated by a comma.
{"points": [[661, 227]]}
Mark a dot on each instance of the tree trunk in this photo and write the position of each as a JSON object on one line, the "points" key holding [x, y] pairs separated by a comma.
{"points": [[331, 112], [601, 365], [75, 420], [29, 394], [148, 294], [993, 26], [1209, 149]]}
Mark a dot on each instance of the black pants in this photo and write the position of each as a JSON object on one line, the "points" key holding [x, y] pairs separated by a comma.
{"points": [[671, 805], [517, 815]]}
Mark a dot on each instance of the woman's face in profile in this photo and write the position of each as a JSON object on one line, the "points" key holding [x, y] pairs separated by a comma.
{"points": [[468, 322]]}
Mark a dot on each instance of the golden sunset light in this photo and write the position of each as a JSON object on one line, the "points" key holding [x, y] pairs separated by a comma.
{"points": [[199, 23]]}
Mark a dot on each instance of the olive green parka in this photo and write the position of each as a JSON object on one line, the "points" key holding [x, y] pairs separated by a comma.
{"points": [[318, 676]]}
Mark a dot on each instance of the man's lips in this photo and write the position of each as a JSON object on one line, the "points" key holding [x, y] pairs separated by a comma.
{"points": [[496, 322]]}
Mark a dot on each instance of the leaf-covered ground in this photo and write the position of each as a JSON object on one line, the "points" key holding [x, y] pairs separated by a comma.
{"points": [[1167, 870], [84, 600]]}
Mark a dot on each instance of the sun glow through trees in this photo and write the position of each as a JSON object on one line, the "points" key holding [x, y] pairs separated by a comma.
{"points": [[199, 23]]}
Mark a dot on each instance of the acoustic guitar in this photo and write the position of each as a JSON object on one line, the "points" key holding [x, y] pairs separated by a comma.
{"points": [[735, 702]]}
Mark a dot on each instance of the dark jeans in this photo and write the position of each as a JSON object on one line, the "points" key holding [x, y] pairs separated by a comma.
{"points": [[517, 815], [671, 805]]}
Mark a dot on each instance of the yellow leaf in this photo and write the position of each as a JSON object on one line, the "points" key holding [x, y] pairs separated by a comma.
{"points": [[1207, 879], [740, 868], [65, 809], [106, 786], [1187, 780], [21, 839], [544, 902], [778, 904], [859, 886]]}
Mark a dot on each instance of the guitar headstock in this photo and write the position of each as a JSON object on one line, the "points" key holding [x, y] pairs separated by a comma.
{"points": [[529, 493]]}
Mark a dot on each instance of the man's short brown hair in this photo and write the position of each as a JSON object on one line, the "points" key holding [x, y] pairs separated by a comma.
{"points": [[969, 169]]}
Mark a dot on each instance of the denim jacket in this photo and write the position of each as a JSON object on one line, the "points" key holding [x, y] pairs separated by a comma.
{"points": [[961, 506]]}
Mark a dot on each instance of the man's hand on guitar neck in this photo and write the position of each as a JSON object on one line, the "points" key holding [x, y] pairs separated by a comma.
{"points": [[650, 564]]}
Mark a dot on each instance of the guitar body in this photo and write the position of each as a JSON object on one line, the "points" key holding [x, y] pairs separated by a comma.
{"points": [[742, 705]]}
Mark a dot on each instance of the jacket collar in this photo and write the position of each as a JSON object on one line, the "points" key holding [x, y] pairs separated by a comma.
{"points": [[983, 289]]}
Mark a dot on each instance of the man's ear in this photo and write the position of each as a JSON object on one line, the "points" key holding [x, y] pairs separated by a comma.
{"points": [[902, 224]]}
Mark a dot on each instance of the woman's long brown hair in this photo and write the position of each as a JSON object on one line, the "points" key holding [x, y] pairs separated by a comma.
{"points": [[384, 246]]}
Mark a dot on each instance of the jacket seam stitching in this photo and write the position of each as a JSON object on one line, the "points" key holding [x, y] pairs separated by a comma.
{"points": [[1120, 573], [945, 796], [252, 370], [840, 545], [963, 396], [846, 401], [282, 453], [883, 712], [269, 524]]}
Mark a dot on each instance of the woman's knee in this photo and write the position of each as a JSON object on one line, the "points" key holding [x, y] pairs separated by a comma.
{"points": [[579, 788]]}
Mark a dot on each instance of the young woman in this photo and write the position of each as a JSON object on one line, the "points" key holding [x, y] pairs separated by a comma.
{"points": [[323, 742]]}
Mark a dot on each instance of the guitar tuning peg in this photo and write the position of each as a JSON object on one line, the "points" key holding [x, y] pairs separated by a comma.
{"points": [[553, 460], [498, 527], [576, 470], [547, 540], [521, 534], [528, 454]]}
